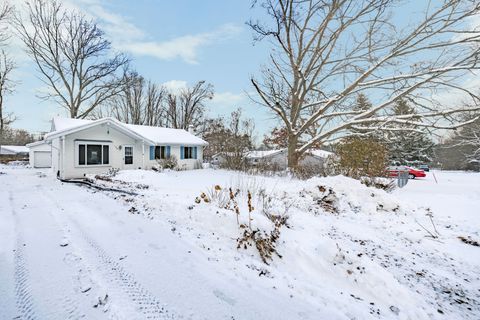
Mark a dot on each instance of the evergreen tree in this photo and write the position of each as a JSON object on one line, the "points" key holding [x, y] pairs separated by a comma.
{"points": [[406, 143], [362, 103]]}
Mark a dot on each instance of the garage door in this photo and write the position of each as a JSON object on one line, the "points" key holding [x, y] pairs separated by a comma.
{"points": [[42, 159]]}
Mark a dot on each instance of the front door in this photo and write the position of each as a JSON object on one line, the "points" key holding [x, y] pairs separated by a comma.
{"points": [[128, 156]]}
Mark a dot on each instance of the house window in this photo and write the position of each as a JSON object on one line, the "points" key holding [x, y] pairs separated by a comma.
{"points": [[128, 155], [93, 154], [189, 153], [81, 154], [160, 152]]}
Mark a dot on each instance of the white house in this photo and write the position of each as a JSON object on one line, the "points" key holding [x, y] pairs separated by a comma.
{"points": [[13, 150], [80, 147], [277, 158]]}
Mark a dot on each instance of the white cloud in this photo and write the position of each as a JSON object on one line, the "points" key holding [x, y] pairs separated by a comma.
{"points": [[228, 99], [184, 47], [126, 36], [116, 25], [455, 97], [175, 86]]}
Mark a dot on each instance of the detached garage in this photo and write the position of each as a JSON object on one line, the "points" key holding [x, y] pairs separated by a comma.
{"points": [[40, 154]]}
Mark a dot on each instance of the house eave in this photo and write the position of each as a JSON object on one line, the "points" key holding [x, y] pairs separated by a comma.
{"points": [[108, 121]]}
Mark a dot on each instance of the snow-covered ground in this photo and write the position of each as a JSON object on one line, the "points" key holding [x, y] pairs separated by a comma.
{"points": [[69, 252]]}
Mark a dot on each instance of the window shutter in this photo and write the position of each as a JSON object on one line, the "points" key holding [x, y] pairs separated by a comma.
{"points": [[194, 152], [152, 152], [182, 152], [168, 152]]}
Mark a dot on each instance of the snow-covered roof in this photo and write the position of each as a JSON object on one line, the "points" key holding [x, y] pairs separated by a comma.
{"points": [[257, 154], [13, 149], [320, 153], [60, 124], [166, 135], [36, 143], [154, 135]]}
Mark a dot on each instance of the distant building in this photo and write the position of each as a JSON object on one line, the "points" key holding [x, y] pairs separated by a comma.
{"points": [[13, 150], [277, 159]]}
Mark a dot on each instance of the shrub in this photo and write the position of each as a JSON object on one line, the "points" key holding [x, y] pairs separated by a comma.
{"points": [[264, 242], [307, 171], [232, 197], [362, 157], [217, 195], [168, 163], [380, 183], [328, 199]]}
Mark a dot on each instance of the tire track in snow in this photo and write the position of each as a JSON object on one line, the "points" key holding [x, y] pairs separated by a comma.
{"points": [[24, 298], [25, 301], [143, 301]]}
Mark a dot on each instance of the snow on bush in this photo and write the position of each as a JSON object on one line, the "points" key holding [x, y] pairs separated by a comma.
{"points": [[361, 245], [260, 214], [241, 200], [169, 163]]}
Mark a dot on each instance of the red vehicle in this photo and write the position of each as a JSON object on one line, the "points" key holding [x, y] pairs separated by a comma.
{"points": [[412, 172]]}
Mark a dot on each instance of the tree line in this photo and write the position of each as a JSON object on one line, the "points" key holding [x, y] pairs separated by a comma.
{"points": [[326, 53], [86, 77], [327, 58]]}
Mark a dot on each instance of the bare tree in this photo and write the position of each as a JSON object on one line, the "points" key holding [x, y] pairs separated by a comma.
{"points": [[7, 65], [469, 137], [230, 136], [6, 86], [155, 110], [188, 106], [139, 102], [327, 52], [5, 12], [72, 55]]}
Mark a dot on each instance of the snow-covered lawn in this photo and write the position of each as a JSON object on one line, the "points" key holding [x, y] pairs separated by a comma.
{"points": [[69, 252]]}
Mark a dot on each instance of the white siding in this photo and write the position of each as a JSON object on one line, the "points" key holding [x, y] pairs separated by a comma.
{"points": [[116, 141], [310, 160], [65, 161], [43, 148], [183, 164], [279, 160]]}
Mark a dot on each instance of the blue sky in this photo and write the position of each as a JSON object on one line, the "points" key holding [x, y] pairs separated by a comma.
{"points": [[170, 42], [174, 43]]}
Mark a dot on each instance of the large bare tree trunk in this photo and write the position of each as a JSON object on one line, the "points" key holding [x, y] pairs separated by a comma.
{"points": [[292, 153]]}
